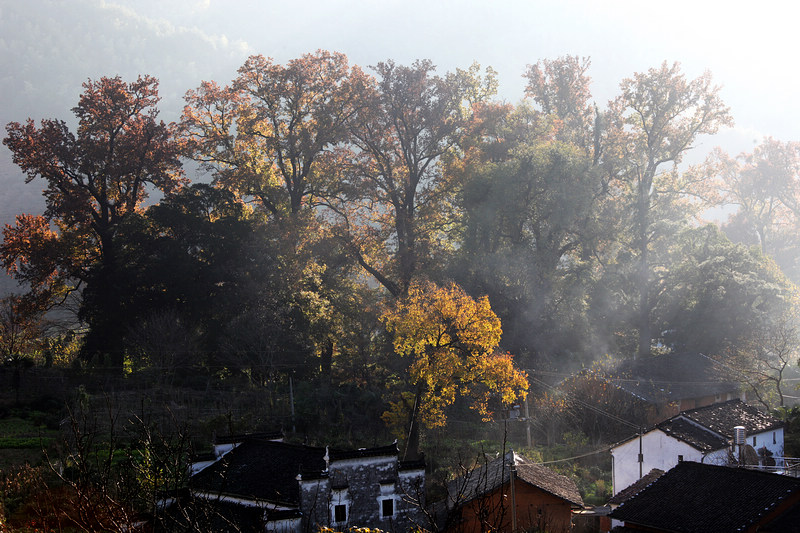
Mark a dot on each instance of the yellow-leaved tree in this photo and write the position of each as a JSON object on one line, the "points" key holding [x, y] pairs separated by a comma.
{"points": [[450, 341]]}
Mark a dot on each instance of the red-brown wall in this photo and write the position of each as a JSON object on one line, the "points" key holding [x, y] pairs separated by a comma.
{"points": [[535, 508]]}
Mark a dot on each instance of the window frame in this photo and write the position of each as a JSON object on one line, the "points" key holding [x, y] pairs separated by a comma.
{"points": [[334, 512], [384, 502]]}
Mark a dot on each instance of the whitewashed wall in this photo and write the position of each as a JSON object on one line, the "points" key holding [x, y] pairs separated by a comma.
{"points": [[659, 450]]}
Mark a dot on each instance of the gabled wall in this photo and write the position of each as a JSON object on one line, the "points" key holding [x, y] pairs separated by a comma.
{"points": [[662, 451], [537, 510], [771, 440], [659, 450]]}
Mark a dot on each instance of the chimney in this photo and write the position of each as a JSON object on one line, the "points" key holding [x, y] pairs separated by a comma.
{"points": [[739, 439]]}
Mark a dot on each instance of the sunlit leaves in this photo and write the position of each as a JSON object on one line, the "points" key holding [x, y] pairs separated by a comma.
{"points": [[451, 342], [100, 175], [561, 88], [266, 134], [397, 198]]}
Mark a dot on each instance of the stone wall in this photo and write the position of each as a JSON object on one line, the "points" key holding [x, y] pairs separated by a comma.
{"points": [[364, 492]]}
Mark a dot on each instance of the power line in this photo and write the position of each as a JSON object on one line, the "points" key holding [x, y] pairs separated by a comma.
{"points": [[601, 450], [589, 406]]}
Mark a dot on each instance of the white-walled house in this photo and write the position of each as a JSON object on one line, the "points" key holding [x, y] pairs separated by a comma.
{"points": [[259, 483], [703, 435]]}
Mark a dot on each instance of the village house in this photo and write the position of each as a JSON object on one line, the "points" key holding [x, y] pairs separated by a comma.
{"points": [[290, 488], [511, 493], [704, 435], [675, 382], [702, 498]]}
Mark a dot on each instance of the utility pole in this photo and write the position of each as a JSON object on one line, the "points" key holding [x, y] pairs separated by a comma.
{"points": [[641, 455], [513, 494], [291, 402], [527, 422]]}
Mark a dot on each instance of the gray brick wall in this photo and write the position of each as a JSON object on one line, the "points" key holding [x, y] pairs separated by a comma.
{"points": [[362, 485]]}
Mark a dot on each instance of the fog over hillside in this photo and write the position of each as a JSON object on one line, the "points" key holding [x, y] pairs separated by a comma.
{"points": [[48, 48]]}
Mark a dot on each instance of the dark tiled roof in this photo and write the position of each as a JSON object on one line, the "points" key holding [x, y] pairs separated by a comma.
{"points": [[688, 432], [262, 469], [788, 522], [380, 451], [229, 439], [497, 472], [719, 419], [701, 498], [634, 488], [723, 417], [671, 377], [413, 464]]}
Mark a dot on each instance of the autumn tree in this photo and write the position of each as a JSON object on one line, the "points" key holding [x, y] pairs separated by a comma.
{"points": [[269, 135], [394, 213], [96, 178], [274, 139], [651, 125], [450, 343], [561, 88], [22, 326]]}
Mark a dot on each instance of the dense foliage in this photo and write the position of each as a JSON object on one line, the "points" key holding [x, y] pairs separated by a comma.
{"points": [[395, 246]]}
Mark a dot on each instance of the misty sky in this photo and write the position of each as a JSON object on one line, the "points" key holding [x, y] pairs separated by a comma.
{"points": [[49, 47]]}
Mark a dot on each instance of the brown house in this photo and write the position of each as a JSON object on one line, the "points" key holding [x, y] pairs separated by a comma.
{"points": [[511, 493]]}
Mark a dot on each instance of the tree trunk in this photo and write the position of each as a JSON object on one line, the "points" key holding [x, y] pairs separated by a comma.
{"points": [[412, 443]]}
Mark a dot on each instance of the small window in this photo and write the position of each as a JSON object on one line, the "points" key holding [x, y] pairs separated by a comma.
{"points": [[774, 440], [680, 458], [387, 508], [754, 441], [340, 514]]}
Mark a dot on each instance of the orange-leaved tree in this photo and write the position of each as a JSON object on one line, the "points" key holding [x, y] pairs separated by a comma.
{"points": [[270, 136], [450, 342]]}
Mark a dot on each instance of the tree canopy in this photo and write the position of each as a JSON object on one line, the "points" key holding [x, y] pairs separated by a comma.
{"points": [[399, 232]]}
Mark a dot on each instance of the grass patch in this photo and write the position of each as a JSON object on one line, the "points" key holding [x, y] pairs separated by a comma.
{"points": [[25, 442], [21, 434]]}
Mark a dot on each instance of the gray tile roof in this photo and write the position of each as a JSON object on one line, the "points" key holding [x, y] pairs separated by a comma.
{"points": [[636, 487], [690, 433], [711, 428], [261, 469], [723, 417], [701, 498], [493, 474]]}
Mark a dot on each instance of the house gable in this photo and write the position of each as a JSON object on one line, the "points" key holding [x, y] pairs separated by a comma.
{"points": [[300, 487], [240, 473], [483, 498], [704, 435]]}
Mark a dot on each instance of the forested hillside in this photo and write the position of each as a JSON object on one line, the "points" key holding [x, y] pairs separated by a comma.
{"points": [[361, 252]]}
